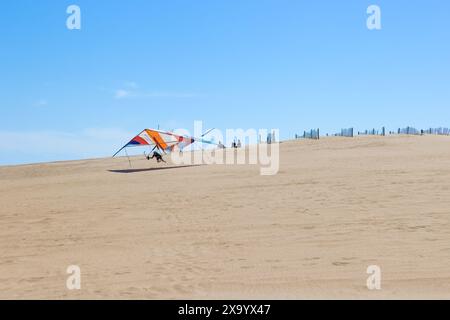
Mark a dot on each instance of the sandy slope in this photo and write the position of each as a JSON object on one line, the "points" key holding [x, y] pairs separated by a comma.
{"points": [[337, 206]]}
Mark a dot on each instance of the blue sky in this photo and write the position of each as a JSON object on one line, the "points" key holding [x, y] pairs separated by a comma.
{"points": [[292, 65]]}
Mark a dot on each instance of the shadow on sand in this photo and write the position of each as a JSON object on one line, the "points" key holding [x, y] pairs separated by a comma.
{"points": [[152, 169]]}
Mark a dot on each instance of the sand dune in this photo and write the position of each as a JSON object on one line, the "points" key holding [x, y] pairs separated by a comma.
{"points": [[336, 206]]}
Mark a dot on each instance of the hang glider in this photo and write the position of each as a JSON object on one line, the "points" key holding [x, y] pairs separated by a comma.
{"points": [[163, 140]]}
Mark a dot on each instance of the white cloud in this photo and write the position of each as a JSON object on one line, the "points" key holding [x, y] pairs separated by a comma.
{"points": [[121, 93], [127, 91]]}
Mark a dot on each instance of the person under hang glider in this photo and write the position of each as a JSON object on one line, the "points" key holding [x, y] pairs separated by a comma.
{"points": [[156, 155], [162, 141]]}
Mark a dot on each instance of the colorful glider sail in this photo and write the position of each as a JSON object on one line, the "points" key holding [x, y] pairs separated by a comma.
{"points": [[163, 140]]}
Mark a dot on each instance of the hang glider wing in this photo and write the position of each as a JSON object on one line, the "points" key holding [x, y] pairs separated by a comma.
{"points": [[163, 140]]}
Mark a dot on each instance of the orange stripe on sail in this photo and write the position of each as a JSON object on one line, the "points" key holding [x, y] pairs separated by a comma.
{"points": [[156, 137]]}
